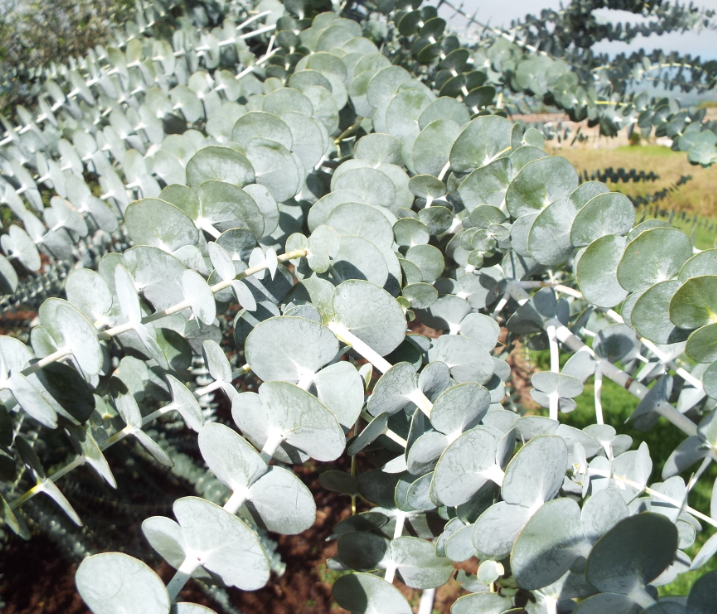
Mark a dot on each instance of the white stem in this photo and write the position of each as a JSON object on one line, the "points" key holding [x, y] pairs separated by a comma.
{"points": [[252, 19], [616, 317], [598, 396], [386, 431], [443, 172], [236, 500], [257, 32], [693, 480], [204, 224], [621, 378], [495, 473], [398, 531], [554, 398], [656, 494], [200, 392], [259, 62], [554, 352], [501, 303], [642, 598], [425, 606], [345, 335], [400, 520], [421, 401], [664, 357], [185, 571], [272, 443]]}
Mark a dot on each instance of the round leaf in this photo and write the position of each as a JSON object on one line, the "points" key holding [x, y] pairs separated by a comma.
{"points": [[370, 313], [548, 545], [223, 543], [536, 473], [466, 465], [115, 583], [288, 410], [596, 271], [289, 349], [632, 554], [482, 140], [215, 163], [459, 408], [694, 304], [540, 183], [280, 502], [228, 455], [157, 223], [362, 593], [606, 214], [653, 256]]}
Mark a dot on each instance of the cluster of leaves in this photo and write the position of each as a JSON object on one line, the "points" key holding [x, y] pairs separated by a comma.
{"points": [[577, 26], [338, 191], [620, 175]]}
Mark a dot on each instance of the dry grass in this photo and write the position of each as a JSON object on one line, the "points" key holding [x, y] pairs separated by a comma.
{"points": [[697, 196]]}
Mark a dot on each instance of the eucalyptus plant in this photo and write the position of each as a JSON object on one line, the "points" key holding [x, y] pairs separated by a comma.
{"points": [[344, 174]]}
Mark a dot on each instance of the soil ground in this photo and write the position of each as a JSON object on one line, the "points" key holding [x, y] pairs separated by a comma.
{"points": [[37, 579]]}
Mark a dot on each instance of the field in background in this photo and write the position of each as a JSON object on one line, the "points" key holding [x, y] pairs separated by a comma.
{"points": [[697, 196]]}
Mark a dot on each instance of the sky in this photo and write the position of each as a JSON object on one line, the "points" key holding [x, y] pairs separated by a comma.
{"points": [[500, 13]]}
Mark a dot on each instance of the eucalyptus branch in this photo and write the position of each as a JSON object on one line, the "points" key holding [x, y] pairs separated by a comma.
{"points": [[395, 437], [613, 315], [617, 375], [127, 430], [655, 494], [378, 361], [397, 532], [179, 307], [554, 367], [349, 131], [598, 396]]}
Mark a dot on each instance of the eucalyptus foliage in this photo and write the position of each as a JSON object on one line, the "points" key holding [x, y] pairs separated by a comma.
{"points": [[340, 174]]}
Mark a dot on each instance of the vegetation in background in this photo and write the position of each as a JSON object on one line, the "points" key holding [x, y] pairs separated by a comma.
{"points": [[34, 33]]}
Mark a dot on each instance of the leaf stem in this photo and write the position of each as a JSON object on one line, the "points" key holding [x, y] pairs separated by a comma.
{"points": [[428, 596], [112, 332], [353, 466], [634, 387], [598, 396], [615, 317], [274, 440], [362, 348], [398, 531], [185, 571], [349, 131]]}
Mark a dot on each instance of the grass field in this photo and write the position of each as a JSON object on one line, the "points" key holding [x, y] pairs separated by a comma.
{"points": [[698, 196]]}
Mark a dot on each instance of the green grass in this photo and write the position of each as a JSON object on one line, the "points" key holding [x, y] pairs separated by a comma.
{"points": [[662, 439]]}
